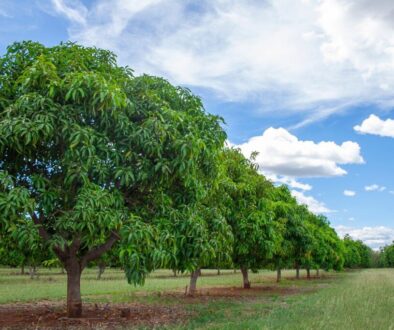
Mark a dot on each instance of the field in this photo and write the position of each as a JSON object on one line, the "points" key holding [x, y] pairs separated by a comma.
{"points": [[352, 300]]}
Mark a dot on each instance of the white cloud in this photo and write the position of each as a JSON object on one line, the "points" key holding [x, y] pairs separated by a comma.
{"points": [[74, 10], [291, 182], [374, 237], [281, 153], [351, 219], [349, 193], [374, 187], [376, 126], [295, 55], [314, 205]]}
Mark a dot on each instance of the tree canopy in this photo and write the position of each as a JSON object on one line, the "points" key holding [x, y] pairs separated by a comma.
{"points": [[90, 154]]}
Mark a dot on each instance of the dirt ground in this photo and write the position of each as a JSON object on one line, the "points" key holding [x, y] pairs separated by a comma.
{"points": [[52, 314]]}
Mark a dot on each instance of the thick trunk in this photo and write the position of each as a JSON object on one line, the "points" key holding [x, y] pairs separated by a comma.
{"points": [[193, 282], [174, 272], [317, 272], [218, 271], [245, 277], [278, 274], [74, 302], [297, 272], [101, 269], [308, 273]]}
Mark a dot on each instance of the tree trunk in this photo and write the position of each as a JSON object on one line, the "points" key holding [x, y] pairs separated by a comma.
{"points": [[174, 272], [193, 282], [32, 272], [22, 269], [278, 275], [218, 271], [235, 271], [74, 302], [101, 269], [297, 272], [308, 273], [245, 278], [317, 272]]}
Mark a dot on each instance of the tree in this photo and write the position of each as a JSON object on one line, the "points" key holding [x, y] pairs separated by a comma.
{"points": [[283, 208], [199, 235], [89, 154], [387, 256], [357, 254], [255, 232]]}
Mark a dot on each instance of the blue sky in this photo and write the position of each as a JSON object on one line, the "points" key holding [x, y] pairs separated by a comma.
{"points": [[306, 83]]}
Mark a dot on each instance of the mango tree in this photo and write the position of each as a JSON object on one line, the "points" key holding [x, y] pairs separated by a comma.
{"points": [[283, 205], [249, 215], [89, 153], [199, 235]]}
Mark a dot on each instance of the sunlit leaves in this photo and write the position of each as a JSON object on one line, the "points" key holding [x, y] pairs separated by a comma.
{"points": [[87, 148]]}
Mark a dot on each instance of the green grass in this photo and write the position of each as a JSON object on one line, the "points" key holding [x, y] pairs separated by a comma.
{"points": [[353, 300]]}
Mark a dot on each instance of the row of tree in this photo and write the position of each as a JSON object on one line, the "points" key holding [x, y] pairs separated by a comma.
{"points": [[93, 157]]}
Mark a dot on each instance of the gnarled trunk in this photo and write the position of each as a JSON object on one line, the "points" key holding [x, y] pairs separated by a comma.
{"points": [[245, 277], [193, 281], [278, 275], [74, 301], [308, 273]]}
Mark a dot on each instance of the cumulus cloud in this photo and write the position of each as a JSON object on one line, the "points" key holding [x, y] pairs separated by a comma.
{"points": [[374, 187], [374, 237], [349, 193], [281, 153], [314, 56], [376, 126], [314, 205]]}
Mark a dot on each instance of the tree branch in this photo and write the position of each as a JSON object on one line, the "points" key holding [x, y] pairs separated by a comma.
{"points": [[99, 250], [46, 237]]}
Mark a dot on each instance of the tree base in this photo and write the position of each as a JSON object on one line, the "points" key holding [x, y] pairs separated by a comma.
{"points": [[74, 310]]}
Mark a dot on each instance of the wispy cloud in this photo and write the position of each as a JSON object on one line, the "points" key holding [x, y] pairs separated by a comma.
{"points": [[74, 10], [374, 187], [294, 56]]}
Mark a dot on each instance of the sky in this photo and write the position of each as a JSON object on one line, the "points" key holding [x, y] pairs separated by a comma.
{"points": [[305, 83]]}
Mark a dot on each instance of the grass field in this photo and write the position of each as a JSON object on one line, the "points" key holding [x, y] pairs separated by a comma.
{"points": [[352, 300]]}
